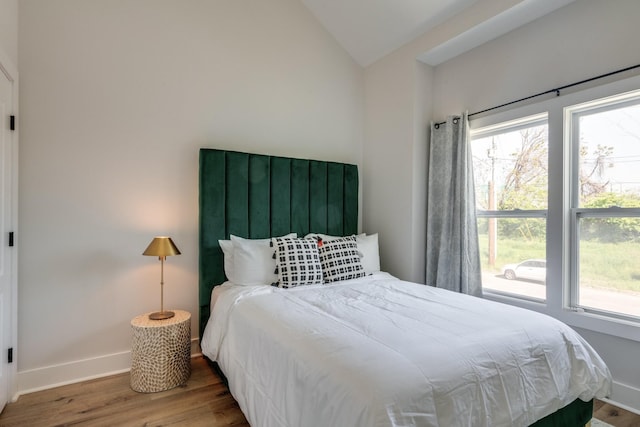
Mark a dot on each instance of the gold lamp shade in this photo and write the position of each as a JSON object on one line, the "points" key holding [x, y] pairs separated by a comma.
{"points": [[162, 247]]}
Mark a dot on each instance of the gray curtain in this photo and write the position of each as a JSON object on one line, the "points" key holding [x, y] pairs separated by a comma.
{"points": [[453, 256]]}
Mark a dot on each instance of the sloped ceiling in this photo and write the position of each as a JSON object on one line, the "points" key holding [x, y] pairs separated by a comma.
{"points": [[370, 29]]}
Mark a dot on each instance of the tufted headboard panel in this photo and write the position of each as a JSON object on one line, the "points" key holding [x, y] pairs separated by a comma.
{"points": [[258, 196]]}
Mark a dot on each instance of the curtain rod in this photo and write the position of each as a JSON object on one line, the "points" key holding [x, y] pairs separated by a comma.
{"points": [[556, 91]]}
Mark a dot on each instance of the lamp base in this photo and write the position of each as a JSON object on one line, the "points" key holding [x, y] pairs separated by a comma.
{"points": [[161, 315]]}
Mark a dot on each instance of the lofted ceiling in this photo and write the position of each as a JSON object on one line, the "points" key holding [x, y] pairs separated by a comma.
{"points": [[370, 29]]}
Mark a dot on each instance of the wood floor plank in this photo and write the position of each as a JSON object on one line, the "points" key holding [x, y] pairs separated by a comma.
{"points": [[615, 416], [203, 401]]}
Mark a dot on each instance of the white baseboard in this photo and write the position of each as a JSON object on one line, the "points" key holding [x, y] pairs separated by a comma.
{"points": [[625, 397], [80, 370]]}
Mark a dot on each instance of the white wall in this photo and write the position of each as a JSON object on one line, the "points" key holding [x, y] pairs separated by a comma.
{"points": [[9, 29], [585, 39], [582, 40], [395, 162], [398, 102], [116, 97]]}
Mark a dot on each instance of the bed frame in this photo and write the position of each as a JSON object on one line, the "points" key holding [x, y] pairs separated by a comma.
{"points": [[258, 196]]}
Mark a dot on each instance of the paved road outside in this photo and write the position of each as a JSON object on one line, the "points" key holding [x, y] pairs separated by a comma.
{"points": [[626, 302]]}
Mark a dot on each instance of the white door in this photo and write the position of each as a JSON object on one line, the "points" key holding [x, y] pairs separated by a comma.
{"points": [[6, 252]]}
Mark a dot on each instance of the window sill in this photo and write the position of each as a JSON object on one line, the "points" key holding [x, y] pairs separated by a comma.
{"points": [[585, 320]]}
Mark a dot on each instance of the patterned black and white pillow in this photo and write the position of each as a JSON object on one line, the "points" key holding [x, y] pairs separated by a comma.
{"points": [[340, 259], [297, 262]]}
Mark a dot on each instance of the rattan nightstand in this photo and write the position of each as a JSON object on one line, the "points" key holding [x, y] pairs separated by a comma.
{"points": [[161, 353]]}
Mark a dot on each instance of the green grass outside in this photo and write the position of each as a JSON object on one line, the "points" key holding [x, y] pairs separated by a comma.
{"points": [[608, 265]]}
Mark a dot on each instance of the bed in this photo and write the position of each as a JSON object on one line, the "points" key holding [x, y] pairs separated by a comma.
{"points": [[309, 356]]}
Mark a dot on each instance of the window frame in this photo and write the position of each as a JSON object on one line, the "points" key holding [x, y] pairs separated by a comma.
{"points": [[560, 296], [572, 115], [498, 129]]}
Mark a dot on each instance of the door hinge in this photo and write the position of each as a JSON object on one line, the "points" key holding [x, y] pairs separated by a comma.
{"points": [[12, 122], [11, 239], [10, 355]]}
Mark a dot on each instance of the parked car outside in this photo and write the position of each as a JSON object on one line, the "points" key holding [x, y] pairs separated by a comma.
{"points": [[531, 269]]}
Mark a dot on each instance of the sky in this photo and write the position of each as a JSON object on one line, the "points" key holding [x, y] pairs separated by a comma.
{"points": [[618, 128]]}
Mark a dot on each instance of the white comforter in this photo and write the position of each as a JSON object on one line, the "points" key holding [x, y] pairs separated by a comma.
{"points": [[378, 351]]}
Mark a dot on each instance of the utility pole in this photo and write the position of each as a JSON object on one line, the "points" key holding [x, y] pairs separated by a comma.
{"points": [[493, 229]]}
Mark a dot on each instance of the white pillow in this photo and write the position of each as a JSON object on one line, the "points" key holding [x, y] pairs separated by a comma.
{"points": [[253, 261], [326, 237], [227, 250], [368, 247]]}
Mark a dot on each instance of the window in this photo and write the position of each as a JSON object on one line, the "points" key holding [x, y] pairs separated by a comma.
{"points": [[558, 204], [605, 204], [510, 162]]}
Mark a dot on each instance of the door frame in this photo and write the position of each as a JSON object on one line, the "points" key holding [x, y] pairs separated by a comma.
{"points": [[8, 68]]}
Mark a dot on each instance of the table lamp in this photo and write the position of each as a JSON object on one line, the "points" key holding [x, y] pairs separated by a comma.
{"points": [[162, 247]]}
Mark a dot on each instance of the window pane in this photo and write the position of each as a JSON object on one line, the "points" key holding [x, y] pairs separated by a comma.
{"points": [[513, 253], [510, 169], [609, 270], [607, 145], [609, 150]]}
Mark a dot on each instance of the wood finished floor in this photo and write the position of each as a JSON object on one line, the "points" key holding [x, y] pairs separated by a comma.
{"points": [[109, 401], [203, 401]]}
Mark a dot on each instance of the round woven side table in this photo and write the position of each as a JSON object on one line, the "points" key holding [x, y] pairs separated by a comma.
{"points": [[161, 353]]}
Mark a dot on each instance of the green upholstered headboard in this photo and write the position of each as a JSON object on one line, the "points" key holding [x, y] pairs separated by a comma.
{"points": [[258, 196]]}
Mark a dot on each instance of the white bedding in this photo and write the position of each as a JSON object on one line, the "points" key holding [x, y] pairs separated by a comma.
{"points": [[378, 351]]}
